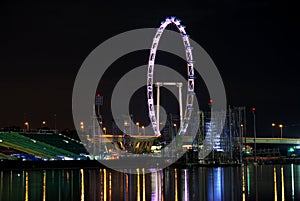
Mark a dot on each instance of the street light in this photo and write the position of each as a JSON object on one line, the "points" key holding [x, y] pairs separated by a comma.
{"points": [[143, 127], [26, 125], [242, 126], [280, 126], [82, 126], [273, 125], [175, 126], [138, 128], [254, 132], [44, 123], [104, 129], [126, 123]]}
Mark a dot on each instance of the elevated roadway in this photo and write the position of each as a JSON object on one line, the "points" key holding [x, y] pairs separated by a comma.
{"points": [[294, 141]]}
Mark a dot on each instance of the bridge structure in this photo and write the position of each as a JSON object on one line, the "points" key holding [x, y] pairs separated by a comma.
{"points": [[290, 141], [142, 142], [248, 140]]}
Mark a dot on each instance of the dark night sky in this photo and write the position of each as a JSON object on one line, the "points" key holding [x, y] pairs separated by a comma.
{"points": [[254, 43]]}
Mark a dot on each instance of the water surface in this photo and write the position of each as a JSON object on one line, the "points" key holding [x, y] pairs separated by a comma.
{"points": [[261, 182]]}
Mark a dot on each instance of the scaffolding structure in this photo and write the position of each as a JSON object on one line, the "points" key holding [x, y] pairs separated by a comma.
{"points": [[213, 139]]}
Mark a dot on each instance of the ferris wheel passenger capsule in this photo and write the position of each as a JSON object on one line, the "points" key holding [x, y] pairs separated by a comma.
{"points": [[189, 107], [191, 92], [177, 23], [177, 20]]}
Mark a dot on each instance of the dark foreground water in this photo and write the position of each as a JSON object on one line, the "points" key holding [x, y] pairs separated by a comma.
{"points": [[262, 182]]}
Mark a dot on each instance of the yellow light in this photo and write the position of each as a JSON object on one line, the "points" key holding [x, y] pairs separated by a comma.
{"points": [[174, 125], [243, 183], [44, 186], [82, 185], [280, 126], [176, 188], [143, 127], [44, 122], [104, 184], [138, 185], [275, 185], [26, 186], [242, 125], [110, 187], [126, 187], [273, 124], [27, 125], [137, 123], [282, 185]]}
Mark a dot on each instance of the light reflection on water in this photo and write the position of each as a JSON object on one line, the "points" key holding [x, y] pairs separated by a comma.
{"points": [[293, 182], [269, 182], [282, 184], [275, 185]]}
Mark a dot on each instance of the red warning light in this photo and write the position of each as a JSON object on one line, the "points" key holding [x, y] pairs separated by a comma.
{"points": [[253, 109], [98, 94], [210, 101]]}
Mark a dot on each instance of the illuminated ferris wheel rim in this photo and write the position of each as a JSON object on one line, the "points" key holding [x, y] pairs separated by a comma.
{"points": [[190, 70]]}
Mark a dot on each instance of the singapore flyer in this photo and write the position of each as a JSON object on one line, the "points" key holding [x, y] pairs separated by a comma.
{"points": [[190, 76], [107, 53]]}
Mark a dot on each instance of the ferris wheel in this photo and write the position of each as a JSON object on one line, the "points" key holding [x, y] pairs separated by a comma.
{"points": [[190, 76]]}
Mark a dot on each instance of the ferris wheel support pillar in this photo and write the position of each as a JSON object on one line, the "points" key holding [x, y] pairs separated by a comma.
{"points": [[179, 85], [158, 85]]}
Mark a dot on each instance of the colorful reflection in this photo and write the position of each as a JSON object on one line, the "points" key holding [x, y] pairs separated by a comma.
{"points": [[26, 186], [203, 183], [104, 185], [216, 185], [186, 187], [176, 184], [156, 185], [282, 184], [248, 180], [81, 185], [110, 187], [138, 195], [243, 184], [44, 185], [275, 185], [293, 182]]}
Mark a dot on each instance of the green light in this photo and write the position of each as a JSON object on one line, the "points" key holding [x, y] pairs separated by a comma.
{"points": [[291, 149]]}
